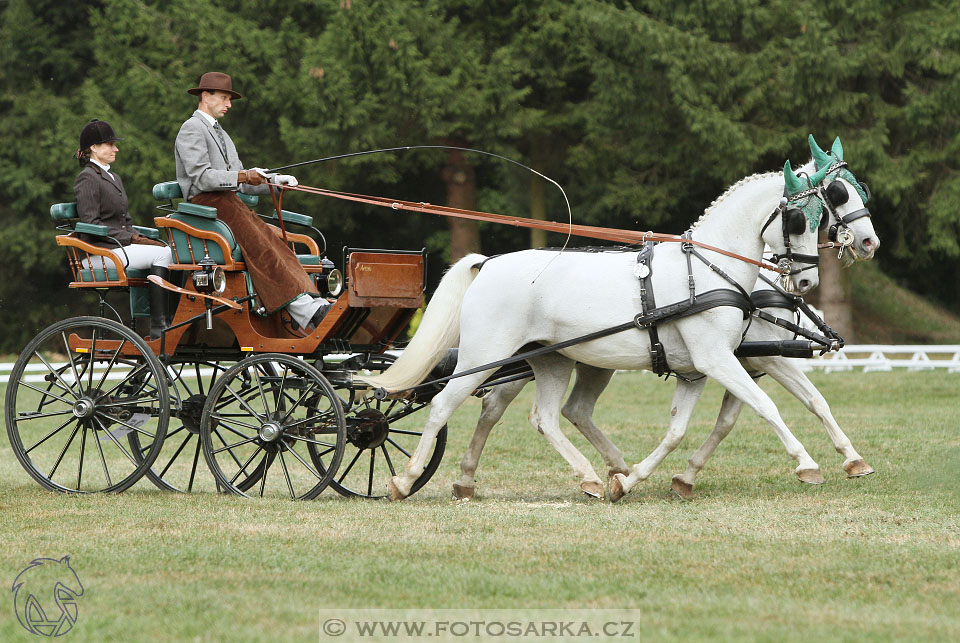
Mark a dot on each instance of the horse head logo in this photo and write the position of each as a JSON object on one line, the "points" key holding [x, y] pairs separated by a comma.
{"points": [[45, 596]]}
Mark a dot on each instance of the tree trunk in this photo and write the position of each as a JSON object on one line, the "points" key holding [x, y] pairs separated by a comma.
{"points": [[833, 297], [461, 193]]}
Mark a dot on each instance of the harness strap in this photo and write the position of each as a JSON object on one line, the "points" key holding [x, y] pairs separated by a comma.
{"points": [[658, 356], [704, 301], [773, 299]]}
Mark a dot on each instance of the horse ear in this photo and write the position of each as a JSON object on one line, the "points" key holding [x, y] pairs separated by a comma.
{"points": [[819, 156], [818, 176], [790, 180], [837, 149]]}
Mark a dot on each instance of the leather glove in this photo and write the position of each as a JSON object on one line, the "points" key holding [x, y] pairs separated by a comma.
{"points": [[287, 179], [254, 176]]}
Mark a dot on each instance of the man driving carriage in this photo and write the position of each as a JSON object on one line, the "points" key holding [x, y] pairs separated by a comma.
{"points": [[210, 173]]}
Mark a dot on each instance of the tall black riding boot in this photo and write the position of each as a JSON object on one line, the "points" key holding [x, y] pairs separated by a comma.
{"points": [[158, 303]]}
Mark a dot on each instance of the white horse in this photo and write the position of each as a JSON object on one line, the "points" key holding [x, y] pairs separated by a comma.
{"points": [[525, 297], [591, 381]]}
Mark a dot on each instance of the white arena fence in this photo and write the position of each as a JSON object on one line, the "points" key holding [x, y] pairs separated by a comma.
{"points": [[868, 357]]}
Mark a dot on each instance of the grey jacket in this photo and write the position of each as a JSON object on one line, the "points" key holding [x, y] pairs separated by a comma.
{"points": [[203, 165], [102, 201]]}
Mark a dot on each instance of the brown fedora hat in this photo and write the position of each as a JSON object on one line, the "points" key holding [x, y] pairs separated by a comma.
{"points": [[215, 81]]}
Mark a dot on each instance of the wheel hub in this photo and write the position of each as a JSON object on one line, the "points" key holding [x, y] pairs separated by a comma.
{"points": [[270, 431], [367, 429], [191, 412], [84, 407]]}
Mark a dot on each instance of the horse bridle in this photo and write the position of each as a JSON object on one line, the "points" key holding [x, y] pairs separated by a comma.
{"points": [[793, 220]]}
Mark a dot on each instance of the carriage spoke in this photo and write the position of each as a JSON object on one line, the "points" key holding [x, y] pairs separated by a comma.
{"points": [[263, 478], [405, 432], [235, 444], [101, 416], [175, 454], [349, 466], [193, 470], [286, 475], [114, 439], [246, 464], [224, 442], [49, 435], [373, 454], [399, 448], [63, 452], [263, 395], [73, 365], [103, 461], [244, 404], [56, 374], [389, 461], [227, 419], [45, 392], [110, 365], [303, 462], [83, 444], [36, 416]]}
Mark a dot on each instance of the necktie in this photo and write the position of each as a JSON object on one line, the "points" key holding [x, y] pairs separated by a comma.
{"points": [[223, 142]]}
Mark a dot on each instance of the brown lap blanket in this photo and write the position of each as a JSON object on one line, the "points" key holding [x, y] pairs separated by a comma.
{"points": [[277, 275]]}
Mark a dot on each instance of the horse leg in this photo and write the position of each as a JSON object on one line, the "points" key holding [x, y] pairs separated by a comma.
{"points": [[682, 484], [578, 409], [494, 404], [552, 373], [684, 400], [792, 378], [727, 370], [441, 408]]}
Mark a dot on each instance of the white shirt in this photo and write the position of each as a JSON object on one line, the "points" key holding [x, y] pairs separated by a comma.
{"points": [[210, 119], [105, 168]]}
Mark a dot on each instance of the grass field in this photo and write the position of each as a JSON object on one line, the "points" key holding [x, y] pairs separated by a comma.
{"points": [[755, 555]]}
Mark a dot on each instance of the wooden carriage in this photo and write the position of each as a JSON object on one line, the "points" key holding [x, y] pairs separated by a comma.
{"points": [[94, 403]]}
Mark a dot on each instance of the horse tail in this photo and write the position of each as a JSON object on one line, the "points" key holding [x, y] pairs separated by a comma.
{"points": [[438, 332]]}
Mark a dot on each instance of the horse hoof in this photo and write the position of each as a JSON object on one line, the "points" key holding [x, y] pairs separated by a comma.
{"points": [[612, 473], [462, 492], [394, 491], [684, 490], [857, 469], [592, 489], [810, 476], [616, 488]]}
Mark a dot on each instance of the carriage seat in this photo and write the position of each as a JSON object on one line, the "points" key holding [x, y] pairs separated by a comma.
{"points": [[88, 270], [189, 249]]}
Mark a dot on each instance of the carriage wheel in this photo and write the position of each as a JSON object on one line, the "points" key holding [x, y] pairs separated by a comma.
{"points": [[76, 390], [267, 412], [380, 441], [180, 466]]}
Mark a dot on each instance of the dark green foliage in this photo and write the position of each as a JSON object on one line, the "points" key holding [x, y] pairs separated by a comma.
{"points": [[645, 112]]}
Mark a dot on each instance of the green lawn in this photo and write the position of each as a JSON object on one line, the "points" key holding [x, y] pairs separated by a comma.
{"points": [[755, 555]]}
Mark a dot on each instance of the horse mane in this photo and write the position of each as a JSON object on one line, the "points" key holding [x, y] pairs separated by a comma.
{"points": [[736, 186]]}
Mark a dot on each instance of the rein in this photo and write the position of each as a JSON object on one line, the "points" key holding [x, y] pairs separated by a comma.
{"points": [[593, 232]]}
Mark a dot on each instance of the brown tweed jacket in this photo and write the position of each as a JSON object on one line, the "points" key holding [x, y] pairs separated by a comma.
{"points": [[102, 201]]}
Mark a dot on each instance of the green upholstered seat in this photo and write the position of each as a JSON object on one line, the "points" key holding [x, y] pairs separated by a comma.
{"points": [[97, 274], [183, 243]]}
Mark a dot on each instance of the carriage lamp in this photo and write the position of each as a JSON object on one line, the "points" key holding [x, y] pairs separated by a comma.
{"points": [[210, 278], [334, 278]]}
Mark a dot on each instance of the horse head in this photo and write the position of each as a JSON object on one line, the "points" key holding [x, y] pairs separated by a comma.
{"points": [[845, 200], [794, 241]]}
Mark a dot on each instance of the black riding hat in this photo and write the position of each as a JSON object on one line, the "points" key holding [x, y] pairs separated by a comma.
{"points": [[97, 131]]}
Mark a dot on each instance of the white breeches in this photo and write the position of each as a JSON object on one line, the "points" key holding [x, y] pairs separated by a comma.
{"points": [[138, 256]]}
